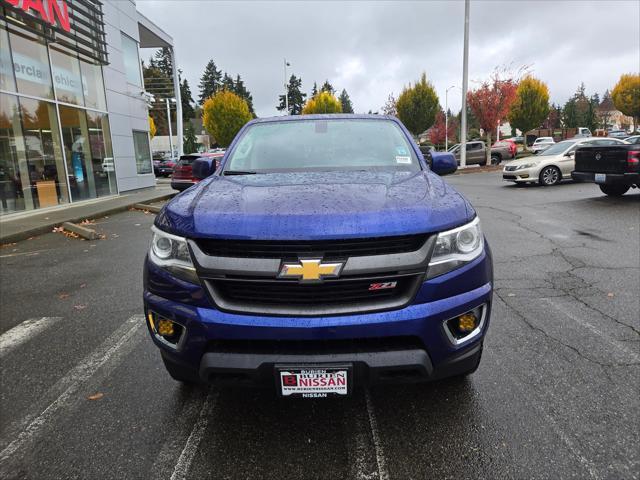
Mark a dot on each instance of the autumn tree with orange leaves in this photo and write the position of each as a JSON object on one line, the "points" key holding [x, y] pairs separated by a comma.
{"points": [[491, 101], [437, 133]]}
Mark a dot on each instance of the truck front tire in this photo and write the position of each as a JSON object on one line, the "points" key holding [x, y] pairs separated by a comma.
{"points": [[614, 190]]}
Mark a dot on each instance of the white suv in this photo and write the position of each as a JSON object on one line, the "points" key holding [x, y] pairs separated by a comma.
{"points": [[542, 143]]}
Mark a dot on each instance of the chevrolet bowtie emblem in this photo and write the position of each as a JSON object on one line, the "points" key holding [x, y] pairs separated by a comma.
{"points": [[310, 270]]}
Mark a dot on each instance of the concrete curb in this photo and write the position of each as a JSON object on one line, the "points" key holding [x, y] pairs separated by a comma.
{"points": [[148, 208], [47, 227], [84, 232]]}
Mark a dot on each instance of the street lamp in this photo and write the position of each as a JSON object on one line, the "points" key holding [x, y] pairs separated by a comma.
{"points": [[286, 86], [465, 85], [446, 118], [169, 101]]}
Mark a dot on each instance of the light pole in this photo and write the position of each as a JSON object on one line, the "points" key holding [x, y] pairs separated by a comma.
{"points": [[446, 118], [286, 86], [465, 86], [169, 122]]}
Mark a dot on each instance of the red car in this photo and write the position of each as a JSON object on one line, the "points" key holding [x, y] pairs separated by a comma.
{"points": [[508, 142], [183, 171]]}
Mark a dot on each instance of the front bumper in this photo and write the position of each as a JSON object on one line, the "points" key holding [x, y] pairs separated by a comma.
{"points": [[411, 343], [523, 175], [610, 178]]}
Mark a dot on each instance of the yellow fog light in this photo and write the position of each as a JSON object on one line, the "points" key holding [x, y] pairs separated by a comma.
{"points": [[467, 322], [165, 327], [524, 175]]}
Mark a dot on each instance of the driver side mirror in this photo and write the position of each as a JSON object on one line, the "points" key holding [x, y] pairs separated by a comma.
{"points": [[570, 154], [203, 167]]}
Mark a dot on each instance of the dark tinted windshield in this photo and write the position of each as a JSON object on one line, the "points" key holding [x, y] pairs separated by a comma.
{"points": [[322, 145]]}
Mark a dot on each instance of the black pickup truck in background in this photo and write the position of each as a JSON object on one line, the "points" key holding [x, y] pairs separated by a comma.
{"points": [[614, 168]]}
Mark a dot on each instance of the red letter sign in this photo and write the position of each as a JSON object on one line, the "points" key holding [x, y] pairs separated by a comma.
{"points": [[63, 17], [37, 6]]}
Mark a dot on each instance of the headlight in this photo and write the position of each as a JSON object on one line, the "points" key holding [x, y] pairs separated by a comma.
{"points": [[455, 248], [526, 165], [171, 253]]}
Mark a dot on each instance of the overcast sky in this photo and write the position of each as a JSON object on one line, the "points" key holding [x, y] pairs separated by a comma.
{"points": [[375, 48]]}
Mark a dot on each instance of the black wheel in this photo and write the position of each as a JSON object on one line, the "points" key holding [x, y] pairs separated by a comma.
{"points": [[614, 190], [495, 159], [180, 373], [550, 176]]}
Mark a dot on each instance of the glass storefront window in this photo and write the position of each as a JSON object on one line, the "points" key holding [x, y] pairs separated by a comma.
{"points": [[104, 169], [66, 75], [93, 85], [87, 146], [142, 151], [131, 60], [31, 64], [7, 81], [31, 165]]}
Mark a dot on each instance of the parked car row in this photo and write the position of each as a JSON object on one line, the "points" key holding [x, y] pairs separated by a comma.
{"points": [[554, 164], [477, 152]]}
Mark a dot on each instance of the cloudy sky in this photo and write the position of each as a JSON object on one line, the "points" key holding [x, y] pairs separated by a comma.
{"points": [[375, 48]]}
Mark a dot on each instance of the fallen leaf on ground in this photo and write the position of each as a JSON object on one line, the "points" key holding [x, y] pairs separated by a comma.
{"points": [[95, 396], [57, 230], [63, 295], [82, 285], [86, 221], [610, 295], [80, 307], [511, 294]]}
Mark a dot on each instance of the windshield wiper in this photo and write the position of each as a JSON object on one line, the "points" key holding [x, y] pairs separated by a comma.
{"points": [[239, 172]]}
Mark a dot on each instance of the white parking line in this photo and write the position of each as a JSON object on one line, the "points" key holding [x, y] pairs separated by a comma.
{"points": [[23, 332], [383, 474], [183, 464], [108, 355], [635, 357]]}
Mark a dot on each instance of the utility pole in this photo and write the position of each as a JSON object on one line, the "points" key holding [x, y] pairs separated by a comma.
{"points": [[286, 86], [169, 122], [446, 117], [465, 86]]}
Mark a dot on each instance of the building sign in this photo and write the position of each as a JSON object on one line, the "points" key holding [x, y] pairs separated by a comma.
{"points": [[77, 24], [56, 12]]}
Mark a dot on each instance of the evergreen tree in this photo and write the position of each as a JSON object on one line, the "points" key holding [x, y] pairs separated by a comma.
{"points": [[164, 61], [189, 140], [346, 102], [327, 87], [242, 92], [209, 82], [295, 95], [314, 90], [187, 101], [228, 84]]}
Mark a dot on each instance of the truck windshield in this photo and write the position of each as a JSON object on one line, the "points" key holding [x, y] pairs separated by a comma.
{"points": [[322, 145]]}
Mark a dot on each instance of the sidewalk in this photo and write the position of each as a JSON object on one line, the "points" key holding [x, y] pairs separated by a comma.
{"points": [[22, 226]]}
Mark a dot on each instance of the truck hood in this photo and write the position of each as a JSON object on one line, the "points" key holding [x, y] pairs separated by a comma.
{"points": [[315, 206]]}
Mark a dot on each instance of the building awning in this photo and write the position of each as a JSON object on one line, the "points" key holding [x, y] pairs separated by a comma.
{"points": [[152, 36]]}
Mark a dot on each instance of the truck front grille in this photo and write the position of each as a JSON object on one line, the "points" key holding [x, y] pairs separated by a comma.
{"points": [[331, 297], [326, 249]]}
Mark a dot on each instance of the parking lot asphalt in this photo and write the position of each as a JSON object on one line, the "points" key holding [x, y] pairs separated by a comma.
{"points": [[84, 394]]}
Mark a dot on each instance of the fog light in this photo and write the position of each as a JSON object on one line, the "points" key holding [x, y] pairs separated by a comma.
{"points": [[165, 328], [524, 175], [467, 322], [466, 326]]}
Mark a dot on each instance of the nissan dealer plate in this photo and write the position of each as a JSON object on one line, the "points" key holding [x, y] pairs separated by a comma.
{"points": [[314, 381]]}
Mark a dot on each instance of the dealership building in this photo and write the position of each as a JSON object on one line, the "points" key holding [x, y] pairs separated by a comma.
{"points": [[73, 108]]}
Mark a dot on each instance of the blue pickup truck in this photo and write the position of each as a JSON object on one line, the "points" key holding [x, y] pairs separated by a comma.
{"points": [[321, 255]]}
